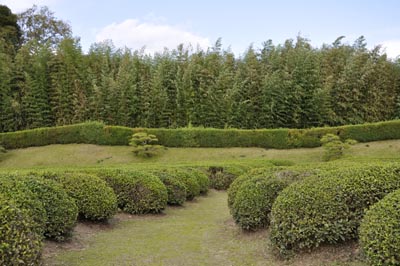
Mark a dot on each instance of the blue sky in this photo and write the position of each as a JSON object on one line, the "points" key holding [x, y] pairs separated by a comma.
{"points": [[157, 24]]}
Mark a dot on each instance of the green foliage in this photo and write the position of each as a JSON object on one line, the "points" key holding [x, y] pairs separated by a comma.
{"points": [[25, 199], [380, 231], [95, 199], [176, 189], [2, 149], [334, 147], [202, 179], [221, 177], [144, 144], [61, 209], [190, 181], [331, 206], [20, 243], [137, 192], [253, 201]]}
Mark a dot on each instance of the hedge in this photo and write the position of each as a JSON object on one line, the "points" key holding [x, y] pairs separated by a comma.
{"points": [[98, 133], [253, 201], [138, 192], [61, 210], [25, 199], [328, 208], [19, 242], [176, 189], [94, 198], [380, 232]]}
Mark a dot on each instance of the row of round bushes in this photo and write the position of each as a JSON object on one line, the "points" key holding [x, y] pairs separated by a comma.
{"points": [[326, 207], [47, 204]]}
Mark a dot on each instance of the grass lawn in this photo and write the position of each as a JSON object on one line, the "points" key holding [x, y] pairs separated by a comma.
{"points": [[200, 233], [77, 155]]}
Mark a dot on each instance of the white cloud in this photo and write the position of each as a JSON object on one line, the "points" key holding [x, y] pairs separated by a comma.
{"points": [[17, 6], [392, 48], [154, 36]]}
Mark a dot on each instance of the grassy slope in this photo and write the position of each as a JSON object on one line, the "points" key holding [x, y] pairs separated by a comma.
{"points": [[201, 233], [92, 155]]}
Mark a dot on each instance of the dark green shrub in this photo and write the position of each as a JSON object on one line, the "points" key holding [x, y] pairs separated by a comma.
{"points": [[24, 198], [19, 242], [95, 199], [380, 231], [191, 184], [137, 192], [61, 210], [236, 184], [176, 189], [328, 208], [253, 201], [2, 150], [221, 177], [202, 179]]}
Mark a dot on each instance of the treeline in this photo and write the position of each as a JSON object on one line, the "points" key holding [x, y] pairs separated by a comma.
{"points": [[294, 85]]}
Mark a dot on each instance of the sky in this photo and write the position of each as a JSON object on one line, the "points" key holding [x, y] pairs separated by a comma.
{"points": [[156, 24]]}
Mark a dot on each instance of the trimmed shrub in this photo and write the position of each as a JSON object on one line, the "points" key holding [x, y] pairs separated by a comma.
{"points": [[253, 201], [380, 231], [19, 242], [176, 189], [97, 133], [191, 184], [61, 210], [328, 208], [24, 198], [237, 183], [95, 199], [221, 177], [137, 192], [202, 179]]}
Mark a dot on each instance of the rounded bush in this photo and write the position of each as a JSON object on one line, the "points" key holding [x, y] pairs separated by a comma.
{"points": [[328, 208], [20, 244], [380, 231], [176, 189], [253, 201], [137, 192], [95, 199], [191, 184], [24, 198], [202, 179], [234, 187], [61, 210]]}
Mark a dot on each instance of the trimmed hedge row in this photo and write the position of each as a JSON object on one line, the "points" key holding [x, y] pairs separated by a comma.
{"points": [[380, 231], [97, 133], [328, 208]]}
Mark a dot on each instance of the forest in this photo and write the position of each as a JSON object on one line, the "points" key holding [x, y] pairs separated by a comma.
{"points": [[46, 79]]}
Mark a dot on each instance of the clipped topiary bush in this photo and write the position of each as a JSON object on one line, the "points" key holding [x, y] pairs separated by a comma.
{"points": [[24, 198], [202, 179], [380, 232], [138, 192], [328, 208], [176, 189], [95, 199], [19, 242], [191, 184], [221, 177], [234, 187], [61, 210], [253, 201]]}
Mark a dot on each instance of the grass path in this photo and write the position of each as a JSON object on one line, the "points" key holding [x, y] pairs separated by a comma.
{"points": [[201, 233]]}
